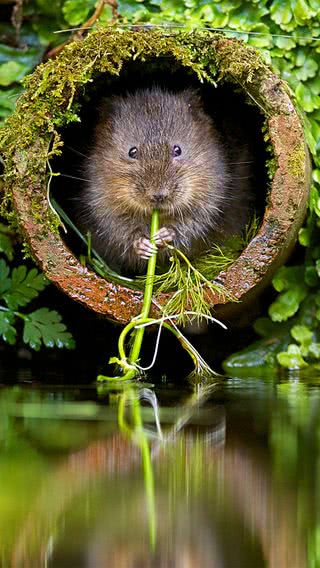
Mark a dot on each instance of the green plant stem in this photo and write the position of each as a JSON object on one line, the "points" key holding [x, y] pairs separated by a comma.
{"points": [[128, 364], [147, 299], [176, 332], [18, 314], [95, 259]]}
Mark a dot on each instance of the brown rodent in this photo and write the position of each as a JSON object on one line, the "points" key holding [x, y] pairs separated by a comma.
{"points": [[155, 148]]}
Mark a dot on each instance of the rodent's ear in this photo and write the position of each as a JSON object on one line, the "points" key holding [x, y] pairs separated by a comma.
{"points": [[194, 101], [105, 119], [191, 94], [105, 108]]}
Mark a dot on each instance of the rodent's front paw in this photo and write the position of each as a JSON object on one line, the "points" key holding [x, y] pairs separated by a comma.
{"points": [[144, 248], [164, 235]]}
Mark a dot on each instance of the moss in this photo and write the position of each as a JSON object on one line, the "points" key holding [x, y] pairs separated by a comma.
{"points": [[238, 62], [296, 160], [271, 161]]}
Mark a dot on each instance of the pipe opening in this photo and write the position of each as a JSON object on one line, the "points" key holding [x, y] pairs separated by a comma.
{"points": [[239, 127]]}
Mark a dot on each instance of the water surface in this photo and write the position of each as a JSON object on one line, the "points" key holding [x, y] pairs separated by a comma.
{"points": [[234, 478]]}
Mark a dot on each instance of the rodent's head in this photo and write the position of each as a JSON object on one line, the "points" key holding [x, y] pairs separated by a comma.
{"points": [[157, 149]]}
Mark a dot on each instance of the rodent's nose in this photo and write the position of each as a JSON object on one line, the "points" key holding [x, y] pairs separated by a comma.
{"points": [[158, 197]]}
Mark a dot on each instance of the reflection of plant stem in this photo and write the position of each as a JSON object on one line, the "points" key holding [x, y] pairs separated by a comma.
{"points": [[142, 441], [147, 468], [121, 411]]}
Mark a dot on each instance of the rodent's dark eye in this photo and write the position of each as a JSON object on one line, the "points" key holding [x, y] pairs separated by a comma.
{"points": [[176, 151], [133, 152]]}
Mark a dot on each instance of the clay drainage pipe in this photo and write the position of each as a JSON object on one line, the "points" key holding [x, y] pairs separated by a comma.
{"points": [[50, 101]]}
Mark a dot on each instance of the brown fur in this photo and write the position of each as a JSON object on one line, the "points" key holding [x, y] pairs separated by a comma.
{"points": [[204, 191]]}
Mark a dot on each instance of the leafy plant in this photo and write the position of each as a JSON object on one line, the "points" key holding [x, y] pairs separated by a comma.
{"points": [[128, 364], [193, 284], [191, 288], [18, 287]]}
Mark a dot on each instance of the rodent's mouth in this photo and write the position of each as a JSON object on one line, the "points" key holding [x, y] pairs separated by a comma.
{"points": [[147, 208]]}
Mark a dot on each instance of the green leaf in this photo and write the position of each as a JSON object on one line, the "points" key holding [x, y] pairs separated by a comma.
{"points": [[261, 37], [288, 303], [246, 17], [308, 101], [311, 276], [287, 276], [300, 56], [315, 6], [45, 326], [303, 335], [51, 8], [213, 14], [16, 63], [315, 251], [318, 267], [4, 277], [7, 331], [24, 286], [260, 357], [45, 29], [76, 11], [11, 72], [312, 144], [302, 11], [8, 99], [305, 236], [228, 5], [284, 43], [266, 328], [308, 70], [283, 65], [141, 15], [314, 200], [292, 358], [314, 350], [281, 13], [6, 246], [106, 15]]}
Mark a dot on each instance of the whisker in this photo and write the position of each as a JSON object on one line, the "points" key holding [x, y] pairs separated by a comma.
{"points": [[242, 177], [248, 162], [74, 177], [77, 152]]}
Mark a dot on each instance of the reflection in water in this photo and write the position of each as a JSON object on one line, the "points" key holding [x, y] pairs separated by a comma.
{"points": [[215, 499]]}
